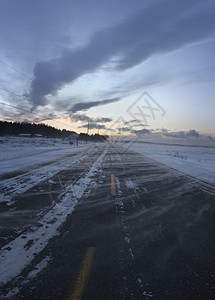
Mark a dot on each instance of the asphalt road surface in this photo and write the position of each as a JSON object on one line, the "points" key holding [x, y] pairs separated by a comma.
{"points": [[140, 230]]}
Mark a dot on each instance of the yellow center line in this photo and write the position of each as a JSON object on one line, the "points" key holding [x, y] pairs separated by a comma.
{"points": [[83, 275], [113, 185]]}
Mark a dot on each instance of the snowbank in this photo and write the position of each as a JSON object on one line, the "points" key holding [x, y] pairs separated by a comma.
{"points": [[198, 162]]}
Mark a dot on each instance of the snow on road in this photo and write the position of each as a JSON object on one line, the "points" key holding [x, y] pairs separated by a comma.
{"points": [[21, 251], [198, 162], [21, 183], [17, 153]]}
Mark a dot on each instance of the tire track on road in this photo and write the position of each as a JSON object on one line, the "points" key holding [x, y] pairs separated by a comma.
{"points": [[21, 183], [17, 255]]}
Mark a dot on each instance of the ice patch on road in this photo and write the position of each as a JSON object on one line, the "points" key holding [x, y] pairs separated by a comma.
{"points": [[11, 293], [130, 184], [38, 268], [119, 192], [148, 294]]}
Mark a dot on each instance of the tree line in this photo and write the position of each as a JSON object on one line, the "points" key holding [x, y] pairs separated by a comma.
{"points": [[34, 129]]}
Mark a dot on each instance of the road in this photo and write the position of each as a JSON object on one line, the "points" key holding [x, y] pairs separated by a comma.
{"points": [[133, 229]]}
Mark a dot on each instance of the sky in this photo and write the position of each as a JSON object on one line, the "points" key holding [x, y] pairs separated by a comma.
{"points": [[125, 67]]}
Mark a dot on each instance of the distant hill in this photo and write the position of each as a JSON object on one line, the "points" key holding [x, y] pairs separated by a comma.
{"points": [[41, 129]]}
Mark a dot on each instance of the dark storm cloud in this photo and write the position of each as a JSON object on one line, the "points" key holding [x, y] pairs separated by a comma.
{"points": [[164, 132], [179, 134], [142, 131], [123, 129], [135, 123], [81, 118], [131, 122], [86, 105], [103, 120], [93, 126], [84, 118], [192, 133], [182, 134], [160, 28]]}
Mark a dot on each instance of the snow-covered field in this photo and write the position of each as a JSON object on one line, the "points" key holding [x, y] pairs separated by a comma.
{"points": [[20, 152], [41, 158], [198, 162]]}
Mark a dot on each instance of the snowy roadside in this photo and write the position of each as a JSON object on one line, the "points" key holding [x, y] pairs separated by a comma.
{"points": [[18, 153], [198, 162], [17, 254], [21, 183]]}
